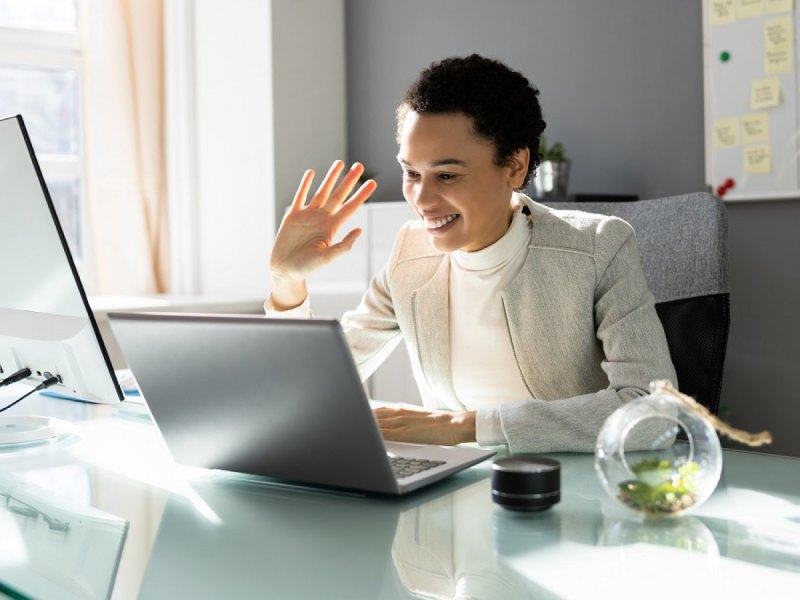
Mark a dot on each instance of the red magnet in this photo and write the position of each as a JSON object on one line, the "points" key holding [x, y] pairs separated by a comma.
{"points": [[726, 185]]}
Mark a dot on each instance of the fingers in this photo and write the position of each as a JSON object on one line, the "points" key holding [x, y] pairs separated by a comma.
{"points": [[302, 190], [345, 245], [400, 409], [332, 196], [358, 199], [350, 239], [350, 180], [420, 426], [324, 191], [393, 427]]}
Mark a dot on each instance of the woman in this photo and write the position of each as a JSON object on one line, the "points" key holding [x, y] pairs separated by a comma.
{"points": [[525, 326]]}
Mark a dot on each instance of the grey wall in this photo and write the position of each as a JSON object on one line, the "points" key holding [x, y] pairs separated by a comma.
{"points": [[621, 80], [760, 387]]}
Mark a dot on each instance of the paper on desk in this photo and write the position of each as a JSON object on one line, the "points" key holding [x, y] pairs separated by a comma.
{"points": [[127, 382]]}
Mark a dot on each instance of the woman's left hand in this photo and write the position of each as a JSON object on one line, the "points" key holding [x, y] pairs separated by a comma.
{"points": [[421, 426]]}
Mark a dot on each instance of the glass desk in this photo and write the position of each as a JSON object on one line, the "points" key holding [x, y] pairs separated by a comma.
{"points": [[105, 512]]}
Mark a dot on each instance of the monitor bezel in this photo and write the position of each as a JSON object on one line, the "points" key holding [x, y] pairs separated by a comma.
{"points": [[70, 261]]}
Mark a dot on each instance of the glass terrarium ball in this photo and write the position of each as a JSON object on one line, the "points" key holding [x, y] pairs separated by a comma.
{"points": [[658, 457]]}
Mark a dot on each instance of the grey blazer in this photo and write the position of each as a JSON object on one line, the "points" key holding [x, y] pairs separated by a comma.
{"points": [[582, 323]]}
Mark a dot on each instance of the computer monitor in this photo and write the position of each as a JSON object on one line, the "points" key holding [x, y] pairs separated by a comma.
{"points": [[46, 323]]}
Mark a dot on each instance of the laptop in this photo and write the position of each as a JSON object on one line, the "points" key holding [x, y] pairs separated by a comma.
{"points": [[279, 398]]}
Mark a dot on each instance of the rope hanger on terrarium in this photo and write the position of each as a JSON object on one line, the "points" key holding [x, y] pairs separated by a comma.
{"points": [[738, 435]]}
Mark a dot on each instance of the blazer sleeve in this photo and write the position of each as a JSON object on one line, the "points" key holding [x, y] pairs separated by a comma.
{"points": [[635, 353], [372, 329]]}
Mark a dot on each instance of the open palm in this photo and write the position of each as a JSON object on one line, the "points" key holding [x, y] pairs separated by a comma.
{"points": [[306, 238]]}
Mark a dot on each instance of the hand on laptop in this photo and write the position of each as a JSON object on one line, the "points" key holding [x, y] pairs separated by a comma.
{"points": [[405, 423], [305, 239]]}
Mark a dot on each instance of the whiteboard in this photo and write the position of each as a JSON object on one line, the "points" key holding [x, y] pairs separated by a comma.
{"points": [[735, 50]]}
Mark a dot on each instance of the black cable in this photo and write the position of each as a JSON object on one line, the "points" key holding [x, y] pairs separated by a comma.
{"points": [[50, 381], [14, 377]]}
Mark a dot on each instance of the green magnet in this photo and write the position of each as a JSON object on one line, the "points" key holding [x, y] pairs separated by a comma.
{"points": [[724, 56]]}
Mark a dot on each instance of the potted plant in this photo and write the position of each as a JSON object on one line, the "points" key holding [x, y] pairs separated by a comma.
{"points": [[552, 174]]}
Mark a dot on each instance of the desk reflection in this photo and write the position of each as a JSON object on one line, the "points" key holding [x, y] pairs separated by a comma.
{"points": [[686, 533], [243, 538], [444, 549], [256, 540], [460, 546], [51, 547]]}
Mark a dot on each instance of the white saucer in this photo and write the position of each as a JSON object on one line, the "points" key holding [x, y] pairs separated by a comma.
{"points": [[23, 429]]}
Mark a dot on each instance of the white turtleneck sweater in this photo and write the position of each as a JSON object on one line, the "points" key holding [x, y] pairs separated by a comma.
{"points": [[483, 366]]}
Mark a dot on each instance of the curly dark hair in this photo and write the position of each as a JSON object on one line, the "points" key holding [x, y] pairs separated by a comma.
{"points": [[503, 105]]}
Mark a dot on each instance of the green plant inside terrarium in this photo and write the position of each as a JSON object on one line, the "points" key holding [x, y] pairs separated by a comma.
{"points": [[661, 486]]}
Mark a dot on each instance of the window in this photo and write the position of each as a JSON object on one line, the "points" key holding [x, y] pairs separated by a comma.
{"points": [[40, 78]]}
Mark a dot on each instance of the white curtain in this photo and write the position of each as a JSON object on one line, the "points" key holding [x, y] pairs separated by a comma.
{"points": [[124, 116]]}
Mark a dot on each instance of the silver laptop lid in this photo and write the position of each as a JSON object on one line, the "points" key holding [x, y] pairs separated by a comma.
{"points": [[274, 397]]}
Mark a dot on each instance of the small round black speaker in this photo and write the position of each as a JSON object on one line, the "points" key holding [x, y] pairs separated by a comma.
{"points": [[526, 483]]}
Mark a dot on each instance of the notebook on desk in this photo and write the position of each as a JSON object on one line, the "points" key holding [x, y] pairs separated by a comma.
{"points": [[273, 397]]}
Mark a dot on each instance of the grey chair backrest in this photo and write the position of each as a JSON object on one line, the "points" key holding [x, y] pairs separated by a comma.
{"points": [[683, 244]]}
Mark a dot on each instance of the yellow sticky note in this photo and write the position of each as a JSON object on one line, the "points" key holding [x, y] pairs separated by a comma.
{"points": [[755, 128], [777, 6], [722, 11], [750, 8], [726, 132], [777, 62], [765, 93], [779, 33], [758, 160]]}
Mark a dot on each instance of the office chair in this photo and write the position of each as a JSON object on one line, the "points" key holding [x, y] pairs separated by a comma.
{"points": [[683, 244]]}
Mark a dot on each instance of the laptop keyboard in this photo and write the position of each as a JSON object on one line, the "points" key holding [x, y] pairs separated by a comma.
{"points": [[405, 467]]}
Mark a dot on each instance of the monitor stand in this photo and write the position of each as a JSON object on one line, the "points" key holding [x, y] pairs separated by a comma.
{"points": [[22, 429]]}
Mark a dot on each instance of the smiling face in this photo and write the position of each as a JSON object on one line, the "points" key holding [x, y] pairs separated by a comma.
{"points": [[451, 180]]}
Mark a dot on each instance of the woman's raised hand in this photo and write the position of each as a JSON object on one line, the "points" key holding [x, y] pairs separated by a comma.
{"points": [[305, 239]]}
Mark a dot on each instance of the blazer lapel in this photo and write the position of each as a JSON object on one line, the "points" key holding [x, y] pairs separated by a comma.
{"points": [[523, 328], [431, 309]]}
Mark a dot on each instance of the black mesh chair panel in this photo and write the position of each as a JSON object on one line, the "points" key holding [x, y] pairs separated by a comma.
{"points": [[697, 335]]}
